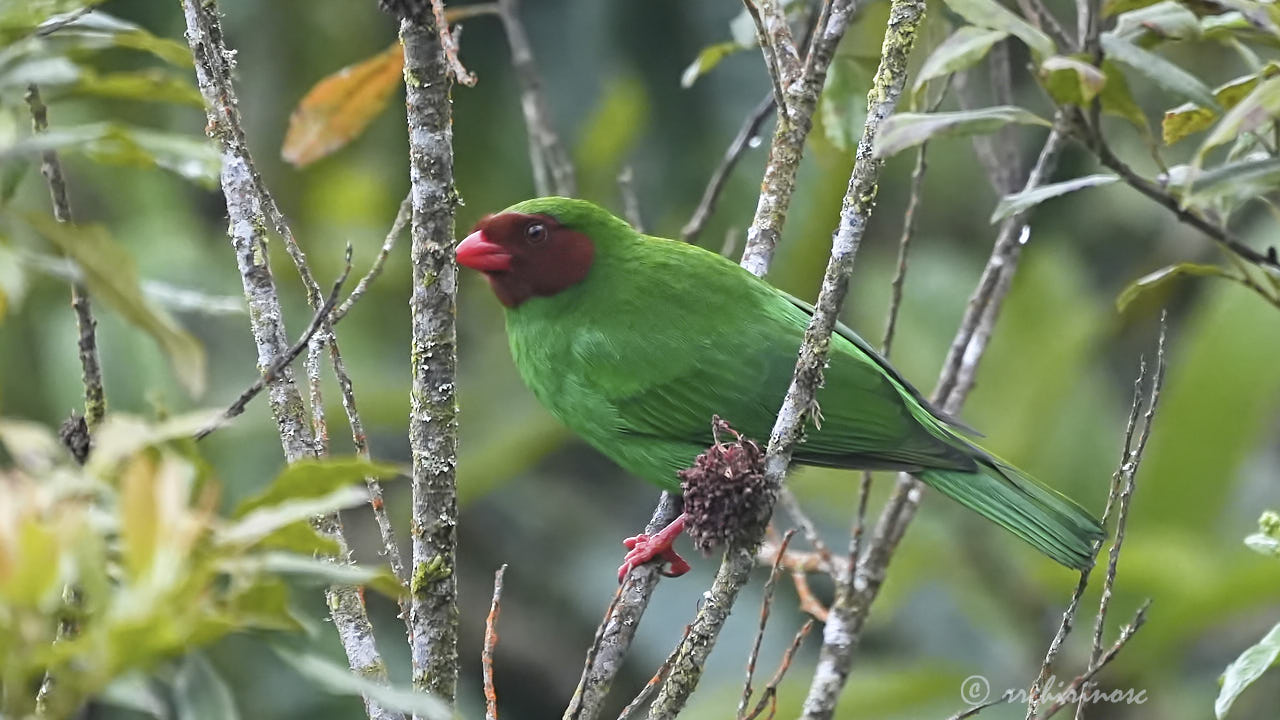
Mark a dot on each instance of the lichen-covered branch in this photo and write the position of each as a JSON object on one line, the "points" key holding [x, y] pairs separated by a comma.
{"points": [[433, 407], [801, 85], [799, 405], [849, 612], [95, 400], [247, 230], [618, 629]]}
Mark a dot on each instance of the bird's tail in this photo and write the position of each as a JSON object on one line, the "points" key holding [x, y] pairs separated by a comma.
{"points": [[1048, 520]]}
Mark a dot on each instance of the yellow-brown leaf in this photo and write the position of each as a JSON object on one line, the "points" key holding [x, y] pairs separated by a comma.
{"points": [[341, 106]]}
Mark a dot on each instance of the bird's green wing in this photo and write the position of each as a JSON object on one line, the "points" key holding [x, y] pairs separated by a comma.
{"points": [[870, 416]]}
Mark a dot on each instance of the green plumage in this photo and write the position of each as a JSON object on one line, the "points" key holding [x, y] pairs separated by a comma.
{"points": [[661, 335]]}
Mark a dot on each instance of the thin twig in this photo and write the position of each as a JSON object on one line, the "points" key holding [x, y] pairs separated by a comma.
{"points": [[652, 686], [552, 169], [244, 194], [765, 604], [1124, 480], [450, 45], [618, 628], [397, 228], [798, 405], [747, 134], [95, 399], [490, 644], [1066, 697], [770, 694], [770, 53], [788, 501], [849, 612], [630, 202], [1187, 215], [282, 361], [1055, 646], [1004, 698], [808, 602]]}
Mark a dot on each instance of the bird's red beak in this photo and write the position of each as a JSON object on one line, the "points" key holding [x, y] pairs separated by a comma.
{"points": [[478, 253]]}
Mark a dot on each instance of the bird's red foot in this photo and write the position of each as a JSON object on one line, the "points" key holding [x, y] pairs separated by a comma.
{"points": [[645, 548]]}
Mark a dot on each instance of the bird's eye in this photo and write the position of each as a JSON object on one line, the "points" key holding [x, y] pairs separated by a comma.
{"points": [[536, 233]]}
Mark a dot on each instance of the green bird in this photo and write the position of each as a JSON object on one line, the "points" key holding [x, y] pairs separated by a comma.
{"points": [[635, 341]]}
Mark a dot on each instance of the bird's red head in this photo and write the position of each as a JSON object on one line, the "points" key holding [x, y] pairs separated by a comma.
{"points": [[526, 256]]}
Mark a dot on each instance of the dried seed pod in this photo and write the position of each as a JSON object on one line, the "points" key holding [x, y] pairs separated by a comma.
{"points": [[725, 493]]}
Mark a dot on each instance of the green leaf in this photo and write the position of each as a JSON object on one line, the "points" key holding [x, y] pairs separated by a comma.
{"points": [[1247, 178], [317, 570], [843, 109], [259, 523], [1111, 8], [1259, 107], [1189, 118], [100, 31], [1161, 278], [1117, 100], [133, 691], [147, 85], [960, 51], [707, 59], [339, 680], [194, 158], [1158, 70], [990, 14], [312, 478], [1017, 202], [46, 72], [1168, 19], [110, 274], [905, 130], [200, 693], [1070, 81], [1245, 669], [264, 605], [21, 18], [301, 538]]}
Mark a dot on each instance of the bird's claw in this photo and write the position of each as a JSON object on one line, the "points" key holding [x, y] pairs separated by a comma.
{"points": [[644, 548]]}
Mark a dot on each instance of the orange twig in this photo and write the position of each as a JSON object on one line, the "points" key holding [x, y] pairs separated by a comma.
{"points": [[450, 45], [770, 694], [490, 643]]}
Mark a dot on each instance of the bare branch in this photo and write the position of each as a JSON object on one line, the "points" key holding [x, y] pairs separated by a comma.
{"points": [[787, 500], [283, 360], [652, 686], [848, 615], [621, 620], [433, 425], [450, 45], [247, 207], [397, 227], [1122, 487], [747, 134], [769, 51], [795, 118], [552, 170], [770, 695], [798, 405], [1073, 690], [980, 707], [1055, 646], [490, 644], [765, 605], [630, 203], [95, 399]]}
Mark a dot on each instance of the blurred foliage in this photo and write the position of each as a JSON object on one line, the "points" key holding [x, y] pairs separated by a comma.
{"points": [[1254, 661], [962, 598], [130, 553]]}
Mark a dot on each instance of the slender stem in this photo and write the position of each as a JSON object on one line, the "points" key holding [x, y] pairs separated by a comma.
{"points": [[749, 131], [490, 645], [388, 244], [95, 400], [799, 405], [247, 206], [552, 169]]}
